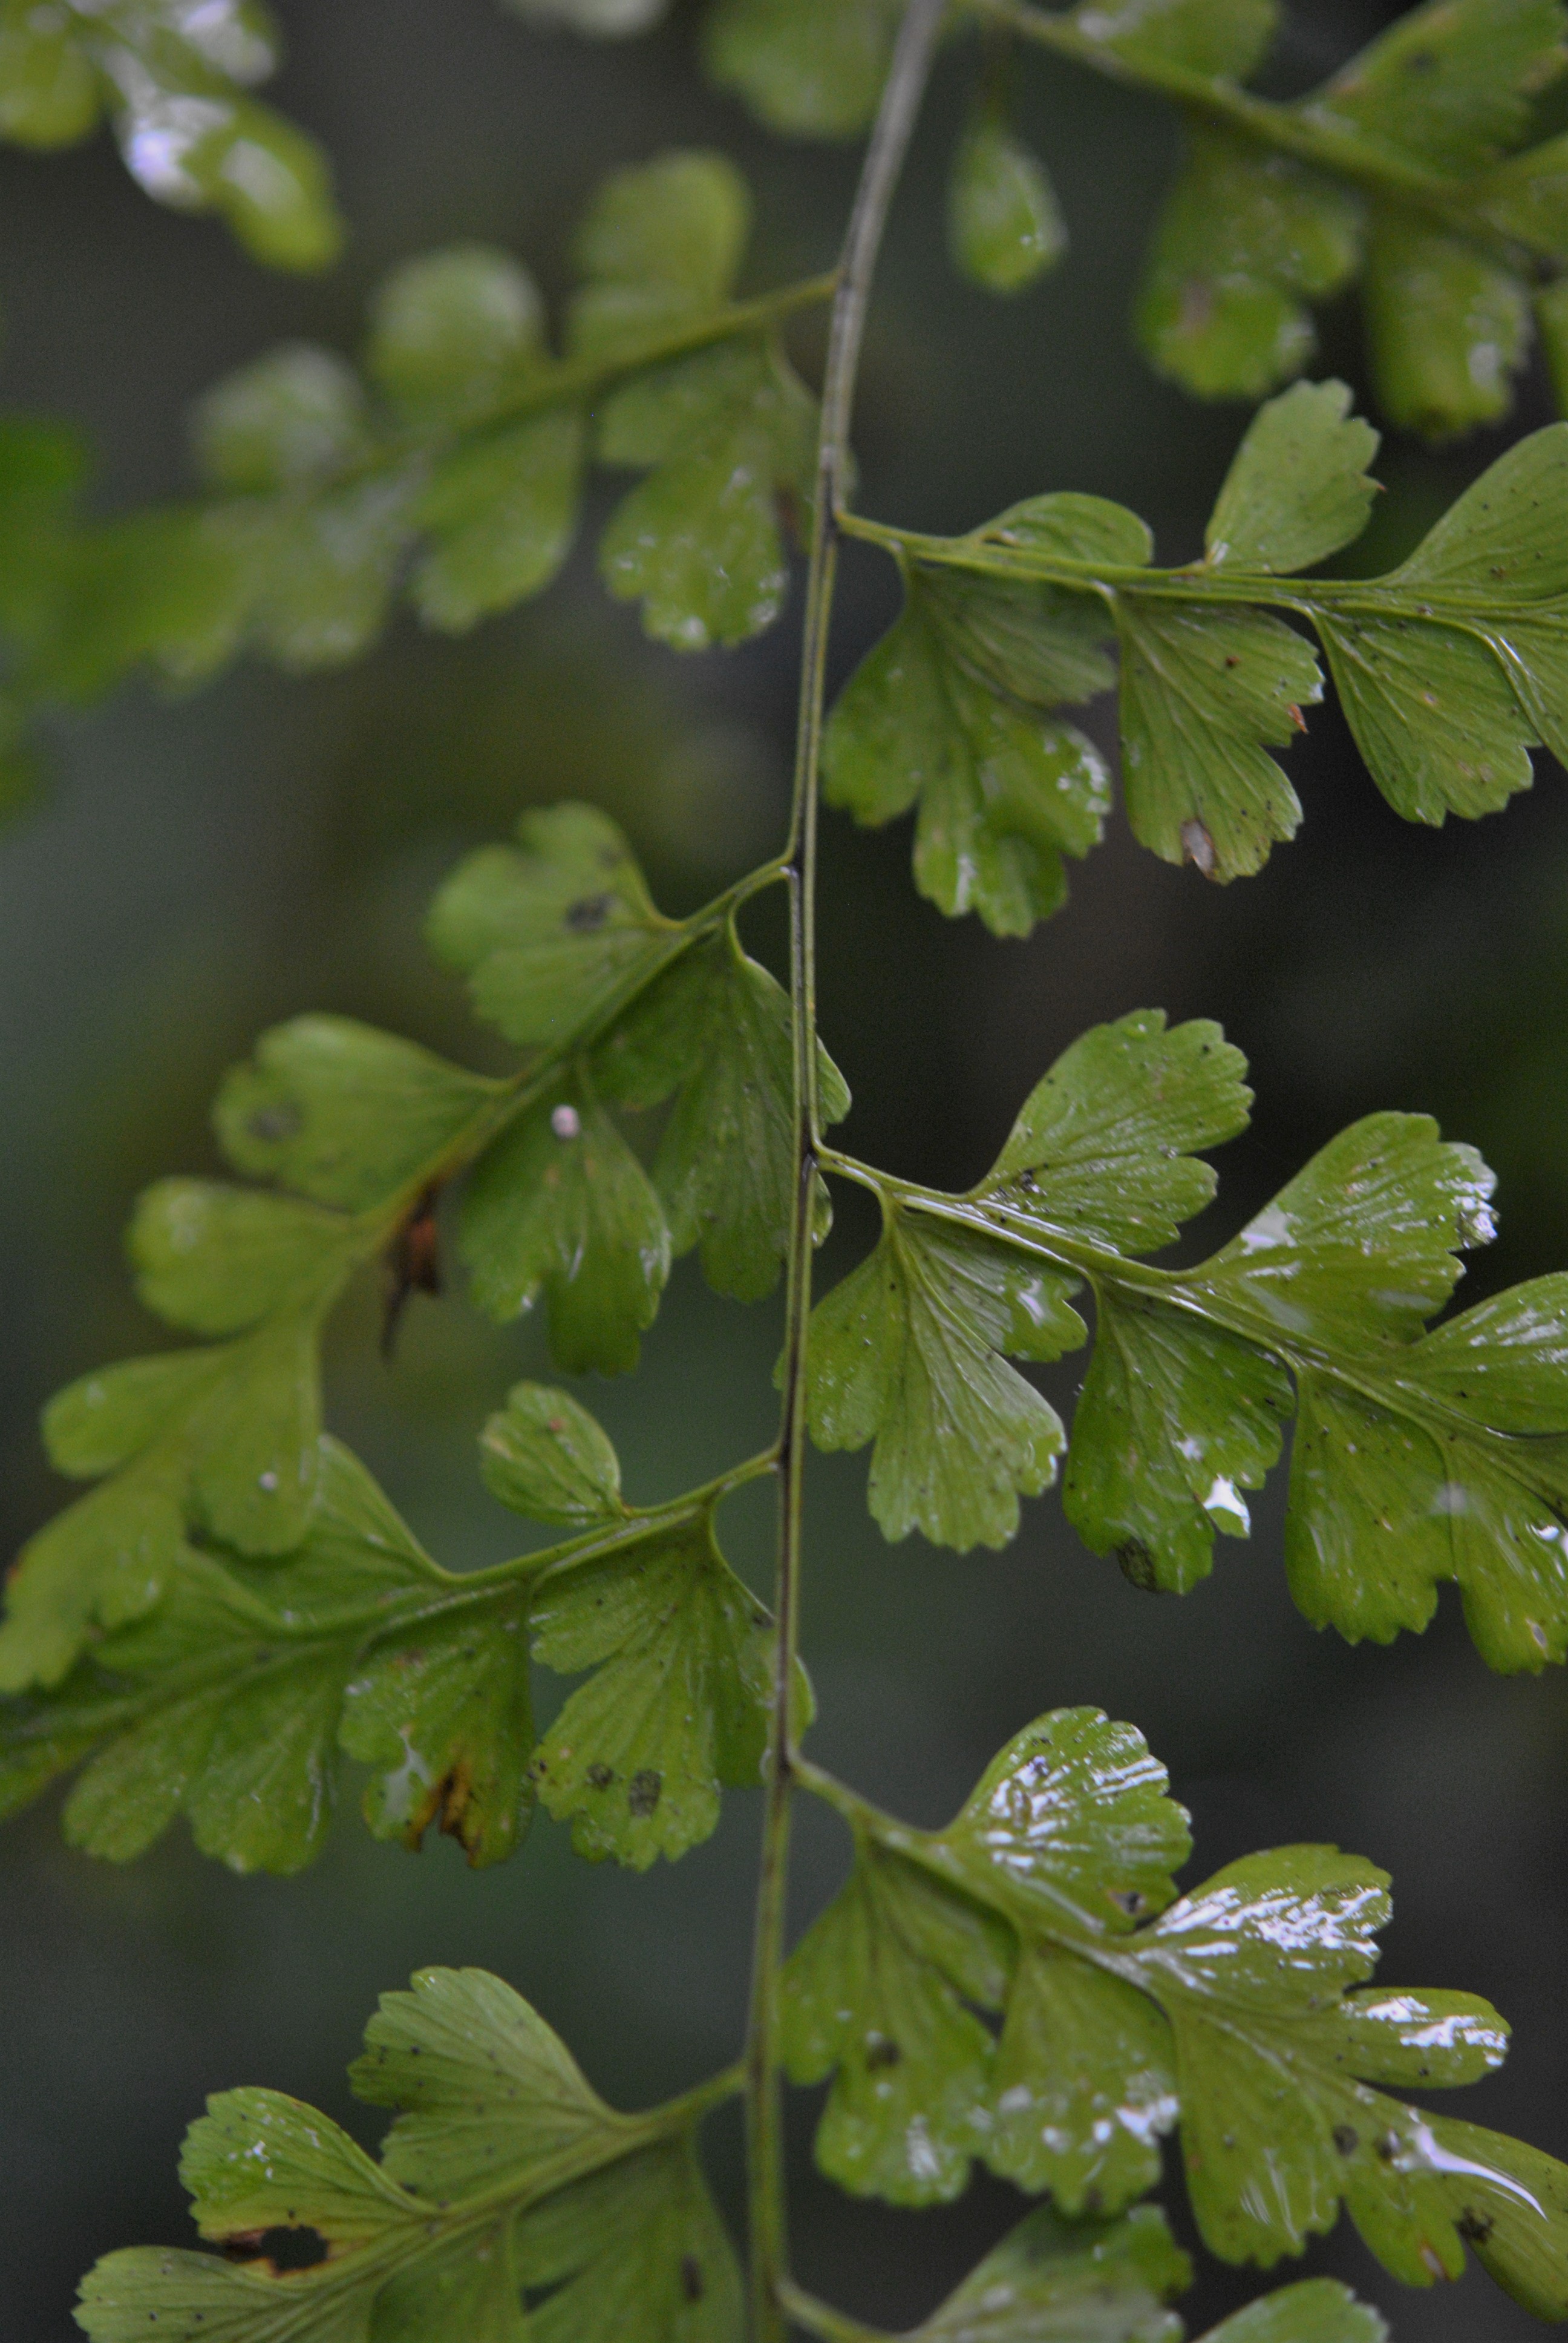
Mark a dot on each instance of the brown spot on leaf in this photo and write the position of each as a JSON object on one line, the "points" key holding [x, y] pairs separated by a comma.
{"points": [[1346, 2139], [1474, 2228], [600, 1777], [691, 2280], [644, 1791], [880, 2051], [590, 912]]}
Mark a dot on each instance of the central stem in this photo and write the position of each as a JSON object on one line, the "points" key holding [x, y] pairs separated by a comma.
{"points": [[906, 76]]}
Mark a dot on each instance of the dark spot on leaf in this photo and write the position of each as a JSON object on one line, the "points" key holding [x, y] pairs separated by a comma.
{"points": [[1231, 659], [1474, 2228], [691, 2285], [281, 2249], [881, 2052], [273, 1124], [600, 1777], [590, 912], [1137, 1566], [644, 1790], [1387, 2146], [1094, 2201], [1346, 2139], [1126, 1899]]}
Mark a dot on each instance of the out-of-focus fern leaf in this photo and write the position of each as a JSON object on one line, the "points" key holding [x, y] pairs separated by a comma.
{"points": [[1411, 162], [1449, 671], [173, 79], [1239, 2011], [504, 2174], [545, 1456], [812, 68], [1005, 227], [449, 467]]}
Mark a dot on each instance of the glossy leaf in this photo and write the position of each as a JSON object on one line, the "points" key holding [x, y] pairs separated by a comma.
{"points": [[1074, 1813], [1104, 1145], [1005, 227], [1298, 488], [1204, 36], [1049, 2280], [908, 1351], [677, 1707], [1175, 1420], [1240, 2009], [1317, 2310], [945, 713], [811, 68], [713, 1035], [874, 1996], [545, 1456], [1449, 84], [503, 2171]]}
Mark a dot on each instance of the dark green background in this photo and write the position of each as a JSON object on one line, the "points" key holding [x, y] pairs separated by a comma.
{"points": [[201, 870]]}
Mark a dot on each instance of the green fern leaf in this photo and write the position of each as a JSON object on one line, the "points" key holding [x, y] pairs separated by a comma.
{"points": [[875, 1996], [550, 935], [560, 1206], [811, 68], [504, 2172], [173, 79], [1240, 2010], [545, 1456], [713, 1034], [677, 1707], [1005, 227], [905, 1350], [1105, 2281], [1252, 235]]}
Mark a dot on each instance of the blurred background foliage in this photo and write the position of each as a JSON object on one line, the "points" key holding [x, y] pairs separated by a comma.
{"points": [[201, 870]]}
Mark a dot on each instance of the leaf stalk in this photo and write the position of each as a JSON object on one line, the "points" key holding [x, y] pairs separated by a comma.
{"points": [[905, 86]]}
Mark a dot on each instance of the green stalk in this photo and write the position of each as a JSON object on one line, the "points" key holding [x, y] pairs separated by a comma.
{"points": [[890, 139]]}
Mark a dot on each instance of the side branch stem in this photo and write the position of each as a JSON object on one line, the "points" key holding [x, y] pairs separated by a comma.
{"points": [[906, 83]]}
